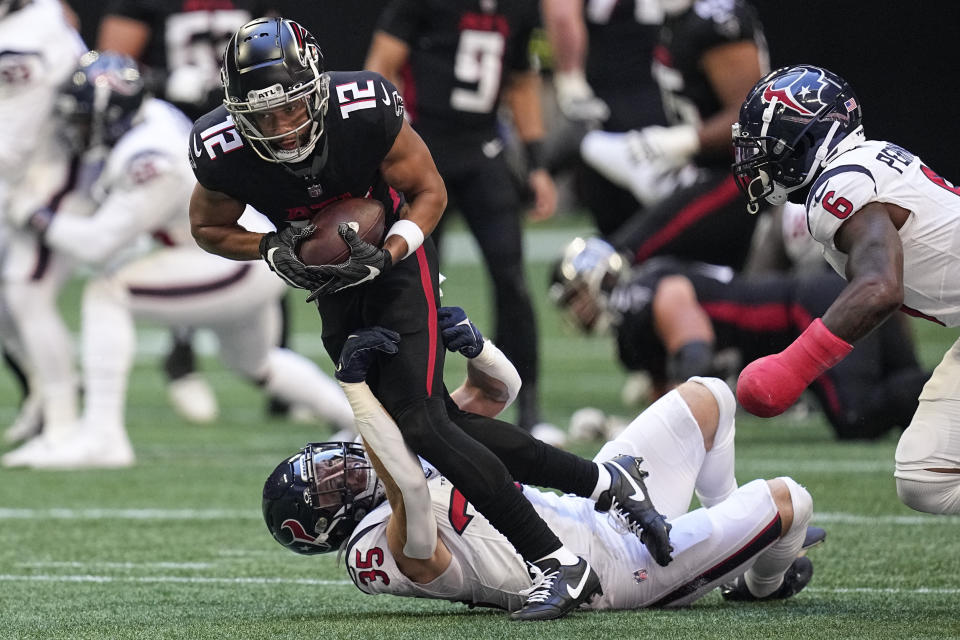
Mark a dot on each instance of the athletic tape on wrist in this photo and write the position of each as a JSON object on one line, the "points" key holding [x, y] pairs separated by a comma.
{"points": [[409, 231]]}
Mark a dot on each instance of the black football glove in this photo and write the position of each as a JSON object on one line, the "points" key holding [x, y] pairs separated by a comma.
{"points": [[359, 350], [458, 332], [365, 263], [279, 250]]}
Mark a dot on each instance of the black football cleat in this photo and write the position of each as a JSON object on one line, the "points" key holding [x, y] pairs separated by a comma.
{"points": [[558, 589], [813, 537], [627, 500], [797, 576]]}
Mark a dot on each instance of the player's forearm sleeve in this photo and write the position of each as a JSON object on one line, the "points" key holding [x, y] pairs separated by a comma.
{"points": [[495, 364], [383, 436]]}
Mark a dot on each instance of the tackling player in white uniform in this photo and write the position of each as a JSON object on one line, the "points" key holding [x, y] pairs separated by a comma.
{"points": [[112, 195], [321, 499], [890, 225], [38, 50]]}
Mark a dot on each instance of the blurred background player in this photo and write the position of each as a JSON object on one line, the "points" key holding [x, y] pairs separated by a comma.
{"points": [[179, 45], [128, 224], [38, 50], [456, 62], [676, 319], [708, 55], [602, 53]]}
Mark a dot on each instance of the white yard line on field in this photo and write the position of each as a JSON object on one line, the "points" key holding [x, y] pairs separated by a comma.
{"points": [[117, 565]]}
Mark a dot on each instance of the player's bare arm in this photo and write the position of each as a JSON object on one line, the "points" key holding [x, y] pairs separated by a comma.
{"points": [[874, 271], [421, 571], [214, 224], [123, 35], [409, 167], [566, 31], [733, 69], [387, 56], [523, 96]]}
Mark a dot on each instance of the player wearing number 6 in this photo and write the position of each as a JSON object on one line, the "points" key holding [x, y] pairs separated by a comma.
{"points": [[889, 224]]}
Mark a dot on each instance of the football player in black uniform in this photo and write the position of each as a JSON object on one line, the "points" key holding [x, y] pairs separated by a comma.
{"points": [[709, 55], [291, 139], [672, 319], [602, 55], [454, 60]]}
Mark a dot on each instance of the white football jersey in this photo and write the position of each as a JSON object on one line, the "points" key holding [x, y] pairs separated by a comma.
{"points": [[118, 206], [877, 171], [38, 50], [486, 570], [803, 251]]}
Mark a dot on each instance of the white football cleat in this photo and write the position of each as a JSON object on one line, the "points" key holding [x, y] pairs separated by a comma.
{"points": [[612, 156], [588, 424], [193, 399], [88, 449], [26, 453], [549, 434], [28, 422]]}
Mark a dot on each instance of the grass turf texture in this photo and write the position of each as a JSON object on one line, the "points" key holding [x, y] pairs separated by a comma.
{"points": [[176, 548]]}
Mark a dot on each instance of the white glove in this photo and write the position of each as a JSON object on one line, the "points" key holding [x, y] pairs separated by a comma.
{"points": [[667, 147], [612, 156], [576, 99]]}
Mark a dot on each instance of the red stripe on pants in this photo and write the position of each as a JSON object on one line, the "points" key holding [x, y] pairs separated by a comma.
{"points": [[427, 284], [688, 216]]}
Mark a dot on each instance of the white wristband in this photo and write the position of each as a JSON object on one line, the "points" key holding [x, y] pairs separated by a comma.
{"points": [[409, 231]]}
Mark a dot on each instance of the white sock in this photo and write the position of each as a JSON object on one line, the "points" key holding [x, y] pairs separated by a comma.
{"points": [[563, 555], [766, 574], [108, 344], [603, 481]]}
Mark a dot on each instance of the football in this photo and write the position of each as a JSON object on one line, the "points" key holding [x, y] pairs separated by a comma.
{"points": [[326, 246]]}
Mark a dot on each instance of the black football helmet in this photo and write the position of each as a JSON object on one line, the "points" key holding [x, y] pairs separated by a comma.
{"points": [[791, 122], [274, 65], [99, 102], [313, 501], [582, 281]]}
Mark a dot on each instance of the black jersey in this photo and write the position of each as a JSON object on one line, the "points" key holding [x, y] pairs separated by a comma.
{"points": [[363, 119], [189, 33], [460, 51], [622, 36], [688, 97]]}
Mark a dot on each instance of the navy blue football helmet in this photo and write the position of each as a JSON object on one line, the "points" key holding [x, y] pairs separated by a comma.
{"points": [[100, 100], [791, 121], [314, 500], [274, 65]]}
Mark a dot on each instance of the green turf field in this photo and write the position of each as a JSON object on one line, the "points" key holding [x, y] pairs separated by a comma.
{"points": [[176, 547]]}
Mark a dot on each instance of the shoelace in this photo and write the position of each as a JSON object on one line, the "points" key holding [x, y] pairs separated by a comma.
{"points": [[620, 521], [539, 591]]}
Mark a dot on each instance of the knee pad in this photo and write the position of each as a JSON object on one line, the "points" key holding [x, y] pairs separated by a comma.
{"points": [[726, 426], [930, 492]]}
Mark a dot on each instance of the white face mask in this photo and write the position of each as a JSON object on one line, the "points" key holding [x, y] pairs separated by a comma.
{"points": [[674, 7]]}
